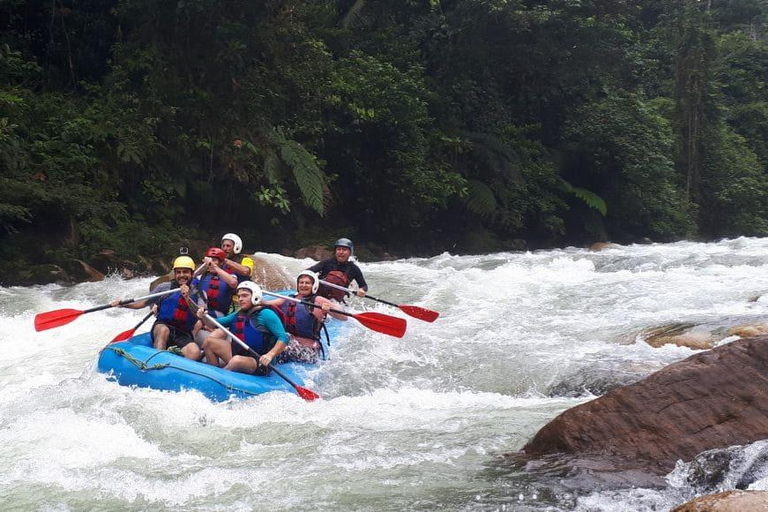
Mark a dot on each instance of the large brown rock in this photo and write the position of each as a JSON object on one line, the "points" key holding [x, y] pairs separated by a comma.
{"points": [[710, 400], [729, 501], [81, 271], [271, 276], [316, 252]]}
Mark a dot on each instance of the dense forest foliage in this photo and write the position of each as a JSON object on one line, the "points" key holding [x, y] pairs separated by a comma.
{"points": [[412, 125]]}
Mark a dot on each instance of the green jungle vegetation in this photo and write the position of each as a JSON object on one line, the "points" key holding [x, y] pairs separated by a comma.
{"points": [[411, 126]]}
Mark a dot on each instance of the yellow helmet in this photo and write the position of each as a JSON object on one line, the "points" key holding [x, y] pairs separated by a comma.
{"points": [[184, 262]]}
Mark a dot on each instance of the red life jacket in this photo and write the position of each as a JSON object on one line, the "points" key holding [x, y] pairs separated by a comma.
{"points": [[335, 277]]}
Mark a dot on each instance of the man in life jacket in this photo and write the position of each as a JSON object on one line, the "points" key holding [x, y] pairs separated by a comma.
{"points": [[218, 283], [242, 264], [257, 324], [304, 322], [175, 320], [340, 270]]}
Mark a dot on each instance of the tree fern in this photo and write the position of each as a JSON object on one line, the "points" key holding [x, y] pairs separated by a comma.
{"points": [[480, 199], [590, 198], [495, 155], [309, 177]]}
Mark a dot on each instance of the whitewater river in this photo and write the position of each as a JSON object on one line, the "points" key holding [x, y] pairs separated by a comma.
{"points": [[417, 423]]}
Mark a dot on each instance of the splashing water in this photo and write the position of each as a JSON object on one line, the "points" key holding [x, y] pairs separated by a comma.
{"points": [[415, 423]]}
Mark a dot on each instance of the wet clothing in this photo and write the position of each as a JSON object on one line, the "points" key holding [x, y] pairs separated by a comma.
{"points": [[339, 272]]}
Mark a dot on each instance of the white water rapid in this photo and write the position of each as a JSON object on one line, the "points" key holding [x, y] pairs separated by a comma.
{"points": [[417, 423]]}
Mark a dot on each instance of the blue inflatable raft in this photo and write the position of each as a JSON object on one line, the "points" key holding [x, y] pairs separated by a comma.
{"points": [[136, 363]]}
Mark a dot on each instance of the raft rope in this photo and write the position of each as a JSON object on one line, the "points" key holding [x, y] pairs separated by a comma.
{"points": [[145, 367]]}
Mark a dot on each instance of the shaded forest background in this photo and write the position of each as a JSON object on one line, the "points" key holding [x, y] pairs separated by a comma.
{"points": [[412, 126]]}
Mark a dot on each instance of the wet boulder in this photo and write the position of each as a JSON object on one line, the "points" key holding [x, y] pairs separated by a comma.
{"points": [[713, 399], [316, 252], [271, 276], [80, 271], [42, 274], [729, 501]]}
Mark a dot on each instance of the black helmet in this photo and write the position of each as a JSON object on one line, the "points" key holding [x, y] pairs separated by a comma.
{"points": [[344, 242]]}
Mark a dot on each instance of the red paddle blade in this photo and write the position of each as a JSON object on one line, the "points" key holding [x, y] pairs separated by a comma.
{"points": [[123, 336], [418, 312], [306, 394], [382, 323], [51, 319]]}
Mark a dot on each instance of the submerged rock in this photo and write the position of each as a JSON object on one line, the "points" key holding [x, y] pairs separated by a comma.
{"points": [[711, 400], [729, 501]]}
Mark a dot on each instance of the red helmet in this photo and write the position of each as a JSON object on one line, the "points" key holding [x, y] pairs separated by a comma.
{"points": [[215, 252]]}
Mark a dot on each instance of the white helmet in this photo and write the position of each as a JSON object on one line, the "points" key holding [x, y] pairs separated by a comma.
{"points": [[235, 240], [253, 288], [315, 279]]}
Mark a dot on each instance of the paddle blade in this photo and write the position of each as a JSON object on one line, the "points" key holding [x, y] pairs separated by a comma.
{"points": [[382, 323], [51, 319], [306, 394], [123, 336], [418, 312]]}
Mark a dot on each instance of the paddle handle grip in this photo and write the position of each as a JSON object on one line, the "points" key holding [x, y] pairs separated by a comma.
{"points": [[350, 290], [306, 303]]}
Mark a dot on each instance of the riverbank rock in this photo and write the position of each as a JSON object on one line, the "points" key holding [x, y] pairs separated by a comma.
{"points": [[600, 246], [711, 400], [80, 271], [42, 274], [271, 276], [729, 501], [316, 252]]}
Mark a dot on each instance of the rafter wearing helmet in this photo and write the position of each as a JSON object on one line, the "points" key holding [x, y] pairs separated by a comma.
{"points": [[242, 264], [304, 322], [340, 270], [257, 324]]}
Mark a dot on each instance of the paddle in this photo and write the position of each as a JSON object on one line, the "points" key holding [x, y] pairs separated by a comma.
{"points": [[390, 325], [59, 317], [415, 311], [129, 333], [306, 394]]}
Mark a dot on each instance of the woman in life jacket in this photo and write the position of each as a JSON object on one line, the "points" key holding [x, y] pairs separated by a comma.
{"points": [[257, 324], [304, 322]]}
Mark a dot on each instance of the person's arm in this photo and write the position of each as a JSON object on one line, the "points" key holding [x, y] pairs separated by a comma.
{"points": [[357, 275], [273, 302], [271, 321], [325, 308], [225, 276], [241, 269]]}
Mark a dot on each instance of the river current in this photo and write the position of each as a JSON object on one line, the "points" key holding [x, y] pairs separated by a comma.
{"points": [[418, 423]]}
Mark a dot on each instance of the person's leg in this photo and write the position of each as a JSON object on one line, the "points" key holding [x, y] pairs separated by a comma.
{"points": [[242, 364], [160, 334], [215, 348]]}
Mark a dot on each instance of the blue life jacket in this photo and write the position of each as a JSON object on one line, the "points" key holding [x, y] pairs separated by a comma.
{"points": [[218, 291], [299, 320], [174, 311], [255, 335]]}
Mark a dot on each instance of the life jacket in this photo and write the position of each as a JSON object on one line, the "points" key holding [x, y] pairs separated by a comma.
{"points": [[257, 337], [335, 277], [174, 311], [299, 319], [218, 291]]}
